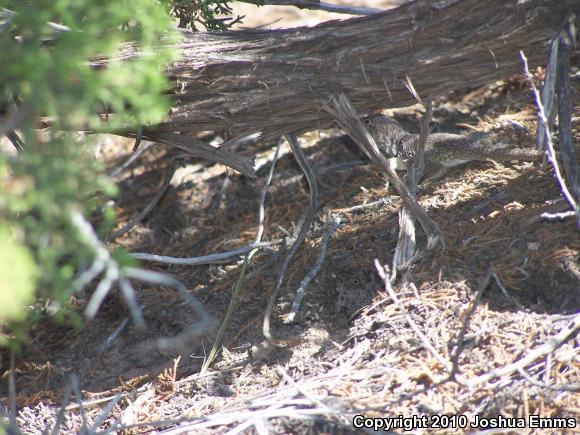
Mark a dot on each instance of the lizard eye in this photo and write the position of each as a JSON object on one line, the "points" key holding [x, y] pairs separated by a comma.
{"points": [[367, 121]]}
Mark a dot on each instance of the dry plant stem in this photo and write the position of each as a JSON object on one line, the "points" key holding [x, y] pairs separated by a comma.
{"points": [[198, 329], [548, 97], [12, 411], [465, 324], [109, 342], [557, 216], [74, 381], [290, 410], [138, 138], [132, 158], [228, 316], [549, 142], [221, 257], [505, 292], [15, 140], [315, 268], [405, 250], [566, 146], [550, 346], [345, 114], [130, 296], [113, 272], [228, 255], [575, 387], [132, 394], [387, 280], [374, 204], [105, 413], [137, 219], [308, 219], [261, 214], [60, 415], [317, 5], [198, 148], [235, 299]]}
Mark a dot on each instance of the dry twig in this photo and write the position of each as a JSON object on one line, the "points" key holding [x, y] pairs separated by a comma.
{"points": [[549, 142], [405, 251], [345, 114], [308, 219], [332, 227], [317, 5], [550, 346], [239, 283], [162, 189]]}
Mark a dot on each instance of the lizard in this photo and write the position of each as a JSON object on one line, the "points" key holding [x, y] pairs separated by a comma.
{"points": [[442, 150]]}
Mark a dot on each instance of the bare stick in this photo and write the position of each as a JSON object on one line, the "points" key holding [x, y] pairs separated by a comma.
{"points": [[12, 393], [314, 271], [138, 138], [137, 219], [109, 342], [217, 344], [114, 272], [228, 255], [466, 318], [548, 96], [239, 283], [345, 114], [550, 346], [549, 142], [557, 216], [74, 381], [105, 412], [317, 5], [308, 219], [369, 205], [567, 151], [60, 415], [198, 148], [132, 158], [574, 387], [221, 257], [129, 293], [405, 250], [15, 140]]}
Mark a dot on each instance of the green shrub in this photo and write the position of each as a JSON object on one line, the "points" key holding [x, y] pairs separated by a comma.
{"points": [[46, 78]]}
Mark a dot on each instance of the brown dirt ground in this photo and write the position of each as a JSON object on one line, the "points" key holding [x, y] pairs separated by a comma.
{"points": [[357, 352]]}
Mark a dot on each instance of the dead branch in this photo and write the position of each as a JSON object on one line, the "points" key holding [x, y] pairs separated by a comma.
{"points": [[405, 250], [549, 142], [553, 343], [150, 206], [317, 5], [331, 228], [567, 44], [344, 113], [308, 219], [276, 81]]}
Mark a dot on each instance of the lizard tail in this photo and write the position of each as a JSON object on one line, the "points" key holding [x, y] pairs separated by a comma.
{"points": [[506, 154]]}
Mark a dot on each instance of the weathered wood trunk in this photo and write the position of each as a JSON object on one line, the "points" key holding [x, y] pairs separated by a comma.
{"points": [[278, 81]]}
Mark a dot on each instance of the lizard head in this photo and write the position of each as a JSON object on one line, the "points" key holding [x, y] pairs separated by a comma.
{"points": [[386, 131]]}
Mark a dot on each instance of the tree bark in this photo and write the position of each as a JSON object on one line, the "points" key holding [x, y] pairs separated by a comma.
{"points": [[278, 81]]}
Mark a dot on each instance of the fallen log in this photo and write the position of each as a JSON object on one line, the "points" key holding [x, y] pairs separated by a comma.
{"points": [[278, 81]]}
